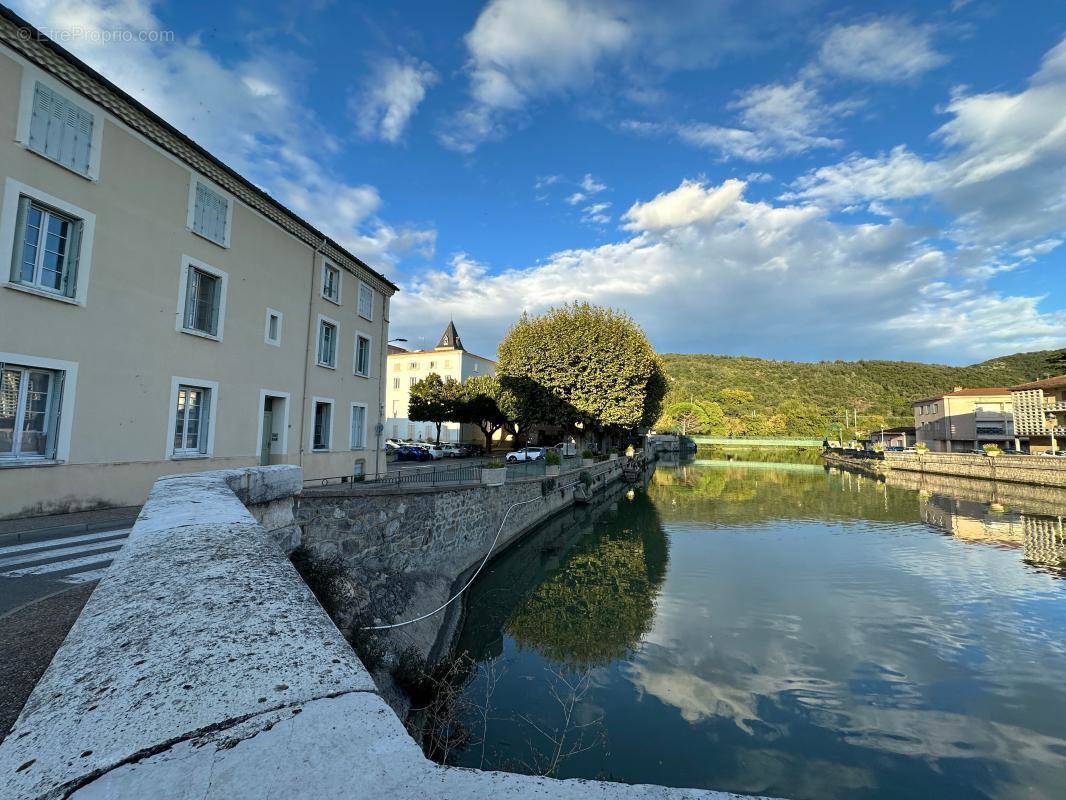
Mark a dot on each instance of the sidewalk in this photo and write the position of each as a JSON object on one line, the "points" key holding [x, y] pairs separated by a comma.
{"points": [[29, 529]]}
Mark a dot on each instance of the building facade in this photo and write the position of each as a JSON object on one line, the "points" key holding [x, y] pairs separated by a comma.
{"points": [[158, 312], [894, 437], [1040, 414], [964, 419], [449, 359]]}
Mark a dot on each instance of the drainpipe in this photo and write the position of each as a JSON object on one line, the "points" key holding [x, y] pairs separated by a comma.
{"points": [[307, 356]]}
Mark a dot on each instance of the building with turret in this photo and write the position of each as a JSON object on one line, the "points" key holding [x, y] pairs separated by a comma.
{"points": [[449, 359]]}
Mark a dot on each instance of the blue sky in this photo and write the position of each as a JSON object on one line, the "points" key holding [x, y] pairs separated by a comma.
{"points": [[783, 178]]}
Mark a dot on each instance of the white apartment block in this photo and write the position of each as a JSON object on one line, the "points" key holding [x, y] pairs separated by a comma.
{"points": [[158, 312], [449, 359]]}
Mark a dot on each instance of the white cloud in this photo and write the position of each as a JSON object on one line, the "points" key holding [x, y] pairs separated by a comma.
{"points": [[523, 50], [780, 280], [596, 213], [248, 114], [1001, 172], [888, 50], [390, 96], [773, 120]]}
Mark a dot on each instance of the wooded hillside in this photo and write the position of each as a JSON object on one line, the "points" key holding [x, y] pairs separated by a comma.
{"points": [[758, 397]]}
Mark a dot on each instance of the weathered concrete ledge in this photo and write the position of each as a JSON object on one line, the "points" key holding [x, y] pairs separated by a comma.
{"points": [[203, 667]]}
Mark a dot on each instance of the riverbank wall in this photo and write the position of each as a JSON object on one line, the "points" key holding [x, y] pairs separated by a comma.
{"points": [[203, 667], [1034, 470], [409, 549]]}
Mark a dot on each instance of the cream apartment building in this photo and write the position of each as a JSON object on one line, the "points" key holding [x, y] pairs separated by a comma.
{"points": [[158, 312], [964, 419], [449, 359]]}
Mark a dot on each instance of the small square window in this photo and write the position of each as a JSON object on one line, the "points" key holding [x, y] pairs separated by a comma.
{"points": [[331, 283], [366, 301], [327, 343], [362, 356], [272, 334]]}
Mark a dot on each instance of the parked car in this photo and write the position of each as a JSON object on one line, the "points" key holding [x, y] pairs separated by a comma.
{"points": [[566, 449], [434, 451], [451, 450], [526, 454], [412, 453], [472, 450], [895, 449], [1055, 453]]}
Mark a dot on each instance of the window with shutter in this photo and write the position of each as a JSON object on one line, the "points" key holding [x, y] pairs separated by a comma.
{"points": [[61, 130], [47, 248], [327, 343], [366, 301], [358, 433], [331, 283], [210, 213], [29, 412], [202, 300], [362, 356]]}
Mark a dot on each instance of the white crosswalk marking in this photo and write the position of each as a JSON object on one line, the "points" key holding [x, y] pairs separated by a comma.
{"points": [[70, 559]]}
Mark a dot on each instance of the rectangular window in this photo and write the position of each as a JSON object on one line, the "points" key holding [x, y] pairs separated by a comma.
{"points": [[413, 381], [191, 420], [362, 356], [413, 365], [323, 425], [61, 130], [358, 432], [211, 214], [272, 334], [395, 383], [432, 364], [29, 412], [47, 246], [203, 297], [327, 343], [331, 283], [397, 367], [366, 301]]}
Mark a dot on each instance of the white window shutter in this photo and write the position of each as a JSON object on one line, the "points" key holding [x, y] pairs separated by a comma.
{"points": [[210, 213], [20, 238], [61, 130], [70, 271]]}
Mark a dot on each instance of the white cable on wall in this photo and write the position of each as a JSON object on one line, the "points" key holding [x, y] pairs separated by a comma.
{"points": [[484, 561]]}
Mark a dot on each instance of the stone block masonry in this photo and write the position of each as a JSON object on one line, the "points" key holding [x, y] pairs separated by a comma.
{"points": [[202, 668], [1034, 470]]}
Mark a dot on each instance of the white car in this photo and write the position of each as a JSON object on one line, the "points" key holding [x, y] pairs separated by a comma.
{"points": [[526, 454], [452, 450], [433, 450]]}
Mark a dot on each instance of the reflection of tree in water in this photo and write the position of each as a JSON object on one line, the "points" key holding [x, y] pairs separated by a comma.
{"points": [[728, 495], [601, 600]]}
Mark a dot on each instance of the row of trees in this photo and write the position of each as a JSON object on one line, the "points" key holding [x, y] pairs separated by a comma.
{"points": [[735, 412], [586, 369]]}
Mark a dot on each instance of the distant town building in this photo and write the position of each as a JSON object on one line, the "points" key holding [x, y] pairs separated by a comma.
{"points": [[449, 359], [1040, 414], [964, 419], [159, 312], [894, 437]]}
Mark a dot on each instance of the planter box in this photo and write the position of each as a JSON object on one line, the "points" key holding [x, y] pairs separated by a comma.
{"points": [[551, 470], [494, 477], [587, 462]]}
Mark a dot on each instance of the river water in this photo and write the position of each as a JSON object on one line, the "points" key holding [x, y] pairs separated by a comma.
{"points": [[779, 628]]}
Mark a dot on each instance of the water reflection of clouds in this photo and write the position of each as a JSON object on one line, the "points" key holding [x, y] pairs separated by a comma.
{"points": [[879, 657]]}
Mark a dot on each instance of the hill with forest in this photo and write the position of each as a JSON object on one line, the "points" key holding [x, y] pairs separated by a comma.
{"points": [[758, 397]]}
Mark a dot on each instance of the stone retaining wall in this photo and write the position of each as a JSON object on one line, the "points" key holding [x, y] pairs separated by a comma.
{"points": [[1035, 470], [202, 668]]}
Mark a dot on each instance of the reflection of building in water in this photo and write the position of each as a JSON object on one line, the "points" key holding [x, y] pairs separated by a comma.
{"points": [[1045, 541], [1042, 538], [968, 519]]}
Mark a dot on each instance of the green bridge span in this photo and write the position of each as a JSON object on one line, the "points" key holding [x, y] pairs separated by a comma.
{"points": [[737, 442]]}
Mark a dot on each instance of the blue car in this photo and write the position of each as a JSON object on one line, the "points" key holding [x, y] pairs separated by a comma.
{"points": [[412, 453]]}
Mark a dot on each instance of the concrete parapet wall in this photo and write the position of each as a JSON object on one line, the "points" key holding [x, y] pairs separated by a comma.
{"points": [[202, 667], [441, 528]]}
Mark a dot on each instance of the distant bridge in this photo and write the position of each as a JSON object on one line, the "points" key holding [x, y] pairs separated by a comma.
{"points": [[739, 442]]}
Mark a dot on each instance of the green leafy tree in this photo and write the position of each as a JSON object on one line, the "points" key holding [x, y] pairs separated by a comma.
{"points": [[582, 366], [689, 418], [485, 403], [435, 400]]}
